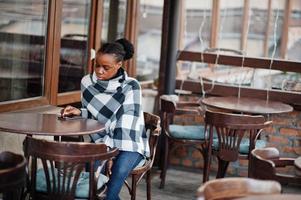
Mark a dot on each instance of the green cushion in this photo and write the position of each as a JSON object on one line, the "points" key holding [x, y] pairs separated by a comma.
{"points": [[244, 145], [187, 132], [82, 188]]}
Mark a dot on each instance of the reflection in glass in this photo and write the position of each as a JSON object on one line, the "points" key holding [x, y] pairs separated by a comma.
{"points": [[149, 39], [23, 26], [114, 17], [74, 43], [231, 15], [197, 24]]}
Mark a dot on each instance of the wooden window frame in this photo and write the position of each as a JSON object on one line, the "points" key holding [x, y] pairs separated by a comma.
{"points": [[220, 89], [52, 59]]}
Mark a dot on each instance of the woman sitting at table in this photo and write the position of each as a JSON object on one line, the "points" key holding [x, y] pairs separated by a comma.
{"points": [[113, 98]]}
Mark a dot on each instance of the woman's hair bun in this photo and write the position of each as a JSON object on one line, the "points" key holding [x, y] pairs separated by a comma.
{"points": [[128, 48]]}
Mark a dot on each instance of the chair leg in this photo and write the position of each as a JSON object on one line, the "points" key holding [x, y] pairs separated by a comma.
{"points": [[134, 187], [206, 169], [148, 184], [165, 163], [222, 168]]}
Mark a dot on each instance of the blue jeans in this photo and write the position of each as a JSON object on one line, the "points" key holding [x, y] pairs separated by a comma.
{"points": [[123, 164]]}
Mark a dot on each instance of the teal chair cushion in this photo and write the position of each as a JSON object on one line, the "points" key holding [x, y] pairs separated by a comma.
{"points": [[187, 132], [82, 188], [244, 145]]}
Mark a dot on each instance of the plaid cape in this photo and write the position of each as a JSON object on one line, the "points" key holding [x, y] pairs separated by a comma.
{"points": [[117, 104]]}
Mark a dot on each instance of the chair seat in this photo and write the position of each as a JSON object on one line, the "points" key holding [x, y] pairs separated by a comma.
{"points": [[244, 145], [141, 163], [82, 188], [189, 132]]}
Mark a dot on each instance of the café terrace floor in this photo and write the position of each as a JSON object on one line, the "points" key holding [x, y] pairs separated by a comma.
{"points": [[181, 184]]}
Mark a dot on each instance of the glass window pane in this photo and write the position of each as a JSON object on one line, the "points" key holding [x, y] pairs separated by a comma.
{"points": [[230, 27], [149, 35], [74, 43], [23, 26], [294, 32], [197, 28], [114, 18]]}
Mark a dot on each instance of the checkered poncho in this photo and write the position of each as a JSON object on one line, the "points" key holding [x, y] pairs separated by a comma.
{"points": [[117, 104]]}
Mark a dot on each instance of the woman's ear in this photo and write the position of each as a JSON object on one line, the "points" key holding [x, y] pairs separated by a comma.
{"points": [[119, 64]]}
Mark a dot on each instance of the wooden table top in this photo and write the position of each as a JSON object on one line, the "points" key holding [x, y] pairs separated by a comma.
{"points": [[47, 124], [247, 105], [273, 197]]}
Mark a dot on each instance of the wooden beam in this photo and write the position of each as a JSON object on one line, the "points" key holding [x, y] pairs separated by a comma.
{"points": [[49, 46], [226, 90], [22, 104], [285, 28], [69, 97], [91, 33], [244, 31], [131, 32], [56, 49], [164, 42], [98, 24], [268, 30], [215, 20], [236, 60]]}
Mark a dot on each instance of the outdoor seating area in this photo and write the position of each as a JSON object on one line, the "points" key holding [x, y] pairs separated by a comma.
{"points": [[150, 99]]}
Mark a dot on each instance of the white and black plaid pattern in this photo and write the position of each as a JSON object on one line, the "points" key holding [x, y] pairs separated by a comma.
{"points": [[117, 104]]}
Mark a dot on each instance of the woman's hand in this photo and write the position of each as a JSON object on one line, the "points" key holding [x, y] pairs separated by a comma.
{"points": [[70, 111]]}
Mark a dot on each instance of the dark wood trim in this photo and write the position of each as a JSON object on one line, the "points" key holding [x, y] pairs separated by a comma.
{"points": [[164, 41], [23, 104], [226, 90], [131, 32], [98, 24], [69, 97], [91, 38], [285, 27], [56, 49], [49, 50], [236, 60]]}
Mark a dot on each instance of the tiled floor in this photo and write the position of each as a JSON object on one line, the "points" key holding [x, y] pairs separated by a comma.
{"points": [[180, 185]]}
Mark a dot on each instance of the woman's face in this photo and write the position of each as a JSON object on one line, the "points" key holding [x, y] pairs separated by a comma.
{"points": [[106, 66]]}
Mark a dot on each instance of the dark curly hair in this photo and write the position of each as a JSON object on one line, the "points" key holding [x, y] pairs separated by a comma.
{"points": [[121, 48]]}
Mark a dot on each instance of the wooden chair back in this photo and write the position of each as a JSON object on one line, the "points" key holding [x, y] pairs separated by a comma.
{"points": [[12, 175], [152, 124], [231, 128], [266, 161], [168, 109], [63, 163], [230, 188]]}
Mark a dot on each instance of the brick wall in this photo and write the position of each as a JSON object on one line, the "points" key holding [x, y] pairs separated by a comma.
{"points": [[284, 134]]}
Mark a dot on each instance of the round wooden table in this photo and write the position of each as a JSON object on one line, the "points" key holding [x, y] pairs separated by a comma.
{"points": [[48, 124], [247, 105], [273, 197]]}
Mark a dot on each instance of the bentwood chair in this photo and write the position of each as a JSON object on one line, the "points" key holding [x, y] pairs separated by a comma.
{"points": [[152, 127], [266, 164], [12, 175], [231, 188], [237, 136], [176, 135], [63, 175]]}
